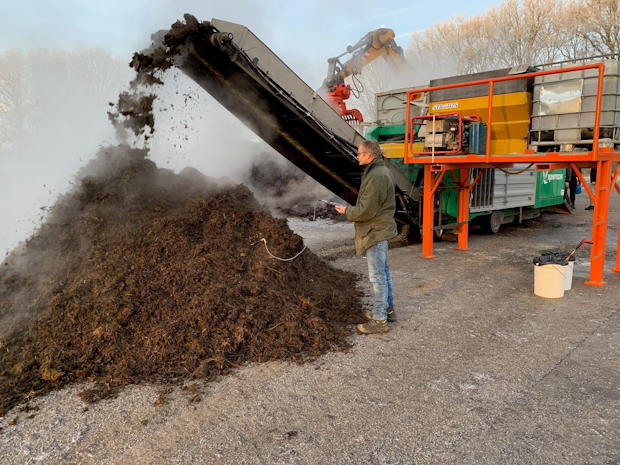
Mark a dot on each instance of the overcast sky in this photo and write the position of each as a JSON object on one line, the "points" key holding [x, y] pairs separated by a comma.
{"points": [[303, 33]]}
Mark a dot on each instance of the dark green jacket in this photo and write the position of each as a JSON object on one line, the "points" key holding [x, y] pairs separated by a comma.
{"points": [[373, 213]]}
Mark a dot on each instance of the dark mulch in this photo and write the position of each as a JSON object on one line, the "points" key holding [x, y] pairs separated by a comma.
{"points": [[143, 275]]}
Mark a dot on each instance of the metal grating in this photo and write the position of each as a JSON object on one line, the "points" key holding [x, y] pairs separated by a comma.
{"points": [[482, 192]]}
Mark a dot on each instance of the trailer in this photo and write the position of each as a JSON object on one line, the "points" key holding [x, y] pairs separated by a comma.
{"points": [[501, 195]]}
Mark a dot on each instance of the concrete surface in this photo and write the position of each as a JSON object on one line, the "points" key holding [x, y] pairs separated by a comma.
{"points": [[477, 370]]}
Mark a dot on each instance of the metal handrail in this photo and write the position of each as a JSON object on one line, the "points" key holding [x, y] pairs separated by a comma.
{"points": [[492, 81]]}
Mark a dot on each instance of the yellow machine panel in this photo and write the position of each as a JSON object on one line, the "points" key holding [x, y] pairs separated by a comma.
{"points": [[511, 121], [397, 150]]}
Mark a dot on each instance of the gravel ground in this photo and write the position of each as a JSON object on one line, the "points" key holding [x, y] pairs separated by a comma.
{"points": [[477, 370]]}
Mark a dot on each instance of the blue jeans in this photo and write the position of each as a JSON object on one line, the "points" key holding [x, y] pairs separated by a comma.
{"points": [[379, 274]]}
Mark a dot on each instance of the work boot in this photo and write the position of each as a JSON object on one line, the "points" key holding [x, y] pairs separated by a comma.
{"points": [[391, 316], [373, 327]]}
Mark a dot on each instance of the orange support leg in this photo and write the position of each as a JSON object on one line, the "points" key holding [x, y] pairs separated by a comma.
{"points": [[428, 213], [615, 186], [463, 210], [599, 223], [584, 184]]}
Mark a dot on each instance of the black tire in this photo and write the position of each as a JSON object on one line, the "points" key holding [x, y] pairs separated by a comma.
{"points": [[407, 233], [493, 222]]}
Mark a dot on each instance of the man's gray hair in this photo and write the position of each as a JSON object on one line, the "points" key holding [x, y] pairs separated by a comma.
{"points": [[372, 147]]}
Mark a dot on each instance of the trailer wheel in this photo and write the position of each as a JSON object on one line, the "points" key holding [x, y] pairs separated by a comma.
{"points": [[493, 222]]}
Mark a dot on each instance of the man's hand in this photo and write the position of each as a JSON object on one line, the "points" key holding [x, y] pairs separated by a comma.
{"points": [[340, 209]]}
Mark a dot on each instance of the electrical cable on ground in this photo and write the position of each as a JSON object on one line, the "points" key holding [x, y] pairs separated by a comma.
{"points": [[264, 241], [515, 172]]}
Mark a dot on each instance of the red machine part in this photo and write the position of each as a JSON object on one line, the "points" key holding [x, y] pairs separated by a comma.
{"points": [[417, 121], [336, 100]]}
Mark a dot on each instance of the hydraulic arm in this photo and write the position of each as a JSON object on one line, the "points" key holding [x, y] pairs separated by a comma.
{"points": [[375, 44]]}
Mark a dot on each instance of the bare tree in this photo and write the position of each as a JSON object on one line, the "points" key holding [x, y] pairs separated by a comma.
{"points": [[521, 32], [440, 43], [16, 100], [477, 51], [598, 25], [462, 42], [524, 31], [571, 45], [43, 87]]}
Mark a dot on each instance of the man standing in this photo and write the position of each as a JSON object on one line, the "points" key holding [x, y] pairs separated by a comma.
{"points": [[373, 215], [570, 186]]}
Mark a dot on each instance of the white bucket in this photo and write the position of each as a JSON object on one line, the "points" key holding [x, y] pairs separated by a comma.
{"points": [[568, 278], [549, 280]]}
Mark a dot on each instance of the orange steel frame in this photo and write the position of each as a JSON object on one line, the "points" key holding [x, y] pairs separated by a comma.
{"points": [[436, 166]]}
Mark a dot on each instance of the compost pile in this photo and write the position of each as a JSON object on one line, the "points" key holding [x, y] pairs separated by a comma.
{"points": [[143, 275]]}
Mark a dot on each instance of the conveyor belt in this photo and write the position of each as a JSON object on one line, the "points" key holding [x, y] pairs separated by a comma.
{"points": [[247, 78]]}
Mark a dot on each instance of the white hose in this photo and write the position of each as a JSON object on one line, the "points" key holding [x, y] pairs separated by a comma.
{"points": [[264, 241]]}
